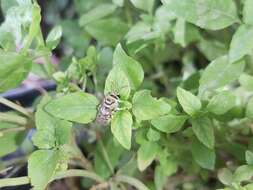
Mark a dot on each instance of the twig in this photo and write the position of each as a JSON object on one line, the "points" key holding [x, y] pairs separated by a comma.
{"points": [[78, 173], [14, 181], [131, 181], [16, 119], [14, 106], [106, 157], [100, 186]]}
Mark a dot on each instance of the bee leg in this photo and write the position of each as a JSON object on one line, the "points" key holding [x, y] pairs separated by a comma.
{"points": [[119, 109]]}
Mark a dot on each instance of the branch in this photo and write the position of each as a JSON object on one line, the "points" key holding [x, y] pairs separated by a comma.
{"points": [[131, 181], [11, 118], [14, 106], [78, 173], [14, 181]]}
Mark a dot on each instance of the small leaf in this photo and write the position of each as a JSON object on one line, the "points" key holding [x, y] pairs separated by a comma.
{"points": [[179, 32], [243, 173], [107, 31], [190, 103], [153, 135], [118, 83], [145, 107], [246, 81], [203, 129], [79, 107], [204, 156], [249, 157], [51, 132], [160, 177], [212, 48], [34, 27], [129, 66], [225, 176], [102, 10], [220, 73], [11, 141], [208, 14], [249, 186], [248, 12], [14, 68], [114, 151], [241, 44], [146, 154], [221, 103], [42, 165], [122, 128], [169, 123], [146, 5], [119, 3], [249, 109], [54, 37]]}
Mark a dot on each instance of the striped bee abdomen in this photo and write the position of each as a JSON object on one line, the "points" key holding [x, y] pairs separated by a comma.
{"points": [[107, 107]]}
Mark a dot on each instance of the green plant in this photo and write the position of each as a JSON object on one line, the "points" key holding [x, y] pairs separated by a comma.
{"points": [[183, 73]]}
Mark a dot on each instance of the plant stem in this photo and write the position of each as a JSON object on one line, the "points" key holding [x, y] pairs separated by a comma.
{"points": [[8, 130], [14, 106], [78, 173], [132, 181], [14, 181], [128, 14], [13, 119], [106, 157], [79, 155]]}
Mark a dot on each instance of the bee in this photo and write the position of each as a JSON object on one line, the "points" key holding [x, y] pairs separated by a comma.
{"points": [[109, 105]]}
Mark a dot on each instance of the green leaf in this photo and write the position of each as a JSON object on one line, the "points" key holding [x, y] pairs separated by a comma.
{"points": [[160, 177], [153, 135], [249, 186], [190, 103], [138, 32], [14, 68], [249, 109], [107, 31], [79, 107], [146, 5], [118, 83], [241, 44], [114, 151], [204, 156], [34, 27], [221, 103], [145, 107], [212, 48], [146, 154], [179, 32], [129, 66], [243, 173], [203, 129], [54, 37], [225, 176], [208, 14], [249, 157], [246, 81], [220, 73], [248, 12], [169, 123], [122, 128], [6, 4], [14, 28], [102, 10], [11, 140], [42, 165], [119, 3], [51, 132]]}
